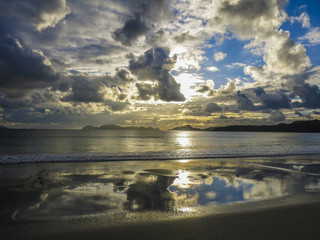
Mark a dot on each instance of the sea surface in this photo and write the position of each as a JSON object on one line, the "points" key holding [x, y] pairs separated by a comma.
{"points": [[18, 146], [58, 180]]}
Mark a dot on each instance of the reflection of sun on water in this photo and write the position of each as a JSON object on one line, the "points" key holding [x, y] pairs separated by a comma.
{"points": [[186, 209], [182, 180], [183, 160], [183, 139]]}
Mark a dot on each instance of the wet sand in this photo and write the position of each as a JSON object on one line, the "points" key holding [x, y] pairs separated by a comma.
{"points": [[292, 221], [187, 200]]}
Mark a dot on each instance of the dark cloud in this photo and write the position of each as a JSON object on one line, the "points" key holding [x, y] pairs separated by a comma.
{"points": [[223, 117], [22, 67], [243, 102], [316, 112], [116, 106], [277, 116], [251, 9], [144, 14], [276, 100], [89, 52], [41, 14], [259, 91], [146, 91], [85, 90], [298, 113], [212, 107], [203, 88], [309, 95], [155, 65], [206, 88], [122, 75], [131, 30]]}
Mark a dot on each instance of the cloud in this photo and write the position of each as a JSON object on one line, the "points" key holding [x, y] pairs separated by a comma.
{"points": [[219, 56], [250, 18], [104, 90], [146, 91], [42, 14], [309, 95], [23, 68], [243, 102], [206, 88], [85, 90], [275, 100], [131, 30], [213, 69], [303, 19], [277, 116], [259, 21], [236, 65], [299, 114], [212, 107], [155, 65], [184, 37], [312, 37], [284, 57], [145, 13], [223, 117]]}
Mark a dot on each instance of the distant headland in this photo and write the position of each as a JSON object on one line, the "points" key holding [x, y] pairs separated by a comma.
{"points": [[298, 126]]}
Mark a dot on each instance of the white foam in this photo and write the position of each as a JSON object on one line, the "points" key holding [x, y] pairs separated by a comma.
{"points": [[266, 151]]}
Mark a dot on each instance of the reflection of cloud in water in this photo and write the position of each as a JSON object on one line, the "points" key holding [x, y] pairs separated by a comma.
{"points": [[268, 188], [77, 189], [211, 195], [151, 195], [182, 180]]}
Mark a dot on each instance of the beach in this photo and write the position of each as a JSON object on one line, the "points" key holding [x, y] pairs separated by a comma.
{"points": [[250, 198], [298, 221]]}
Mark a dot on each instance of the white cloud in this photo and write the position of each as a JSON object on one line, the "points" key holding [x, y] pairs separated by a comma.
{"points": [[312, 37], [219, 56], [236, 65], [212, 69], [303, 19]]}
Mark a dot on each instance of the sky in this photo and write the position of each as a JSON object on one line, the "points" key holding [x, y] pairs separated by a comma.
{"points": [[158, 63]]}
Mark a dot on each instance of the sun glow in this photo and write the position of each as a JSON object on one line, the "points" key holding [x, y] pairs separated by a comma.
{"points": [[177, 50], [188, 82]]}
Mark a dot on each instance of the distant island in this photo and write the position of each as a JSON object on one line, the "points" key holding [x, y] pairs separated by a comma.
{"points": [[298, 126], [117, 127], [186, 128]]}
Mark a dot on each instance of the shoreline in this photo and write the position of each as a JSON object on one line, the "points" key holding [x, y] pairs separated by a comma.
{"points": [[49, 158]]}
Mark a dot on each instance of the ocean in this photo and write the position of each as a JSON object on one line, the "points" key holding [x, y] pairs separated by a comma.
{"points": [[17, 146]]}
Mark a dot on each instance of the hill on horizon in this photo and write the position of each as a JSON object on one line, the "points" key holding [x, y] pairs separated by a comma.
{"points": [[297, 126]]}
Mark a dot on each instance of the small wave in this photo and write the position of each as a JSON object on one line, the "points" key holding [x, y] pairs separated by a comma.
{"points": [[150, 156]]}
